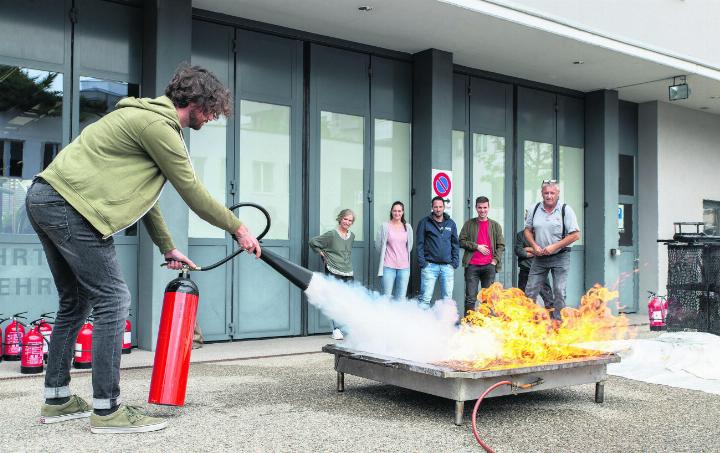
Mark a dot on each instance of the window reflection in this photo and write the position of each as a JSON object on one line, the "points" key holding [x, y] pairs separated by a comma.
{"points": [[207, 151], [265, 165], [392, 169], [341, 169], [489, 173], [458, 206], [30, 136], [538, 165], [98, 97], [572, 183]]}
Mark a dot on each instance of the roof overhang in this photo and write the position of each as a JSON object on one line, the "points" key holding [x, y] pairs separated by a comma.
{"points": [[494, 38]]}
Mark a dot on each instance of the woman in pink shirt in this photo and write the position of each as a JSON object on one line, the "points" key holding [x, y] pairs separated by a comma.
{"points": [[394, 241]]}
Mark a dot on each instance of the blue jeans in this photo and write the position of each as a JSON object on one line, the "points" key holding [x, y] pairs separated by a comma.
{"points": [[88, 278], [395, 282], [428, 275], [559, 265]]}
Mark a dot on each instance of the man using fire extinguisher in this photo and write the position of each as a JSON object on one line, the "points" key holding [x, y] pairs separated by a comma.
{"points": [[106, 180]]}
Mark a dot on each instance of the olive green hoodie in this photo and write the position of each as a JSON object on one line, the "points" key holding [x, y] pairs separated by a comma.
{"points": [[113, 173]]}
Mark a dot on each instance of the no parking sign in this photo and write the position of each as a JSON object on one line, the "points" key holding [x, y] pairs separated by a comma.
{"points": [[442, 185]]}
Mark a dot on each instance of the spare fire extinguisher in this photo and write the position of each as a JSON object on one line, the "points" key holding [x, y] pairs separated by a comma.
{"points": [[127, 338], [83, 346], [14, 333], [657, 311], [45, 328], [31, 361], [174, 342]]}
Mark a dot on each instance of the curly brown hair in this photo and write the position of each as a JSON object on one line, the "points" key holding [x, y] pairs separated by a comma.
{"points": [[197, 85]]}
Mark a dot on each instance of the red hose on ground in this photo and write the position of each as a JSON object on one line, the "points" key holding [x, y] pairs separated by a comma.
{"points": [[475, 410]]}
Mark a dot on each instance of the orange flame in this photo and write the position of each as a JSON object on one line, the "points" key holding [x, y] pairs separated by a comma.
{"points": [[525, 335]]}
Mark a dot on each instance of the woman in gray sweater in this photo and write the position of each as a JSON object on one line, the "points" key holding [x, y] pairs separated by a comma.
{"points": [[335, 249]]}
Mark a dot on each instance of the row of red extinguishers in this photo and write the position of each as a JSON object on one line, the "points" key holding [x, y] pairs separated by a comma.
{"points": [[31, 347]]}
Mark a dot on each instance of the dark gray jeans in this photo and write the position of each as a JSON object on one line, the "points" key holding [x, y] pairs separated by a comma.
{"points": [[559, 265], [88, 278], [477, 277]]}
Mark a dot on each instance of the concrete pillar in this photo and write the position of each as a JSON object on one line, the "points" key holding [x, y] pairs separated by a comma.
{"points": [[166, 43], [648, 200], [601, 187], [432, 127]]}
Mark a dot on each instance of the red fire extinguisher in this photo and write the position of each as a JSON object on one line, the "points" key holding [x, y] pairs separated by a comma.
{"points": [[657, 311], [174, 343], [14, 333], [83, 347], [31, 361], [177, 322], [45, 328], [127, 338]]}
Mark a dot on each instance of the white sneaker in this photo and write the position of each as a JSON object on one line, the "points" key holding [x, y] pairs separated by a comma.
{"points": [[337, 335]]}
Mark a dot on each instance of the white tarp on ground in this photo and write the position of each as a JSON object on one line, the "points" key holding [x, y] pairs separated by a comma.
{"points": [[689, 360]]}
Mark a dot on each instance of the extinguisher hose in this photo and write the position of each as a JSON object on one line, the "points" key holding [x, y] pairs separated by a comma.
{"points": [[514, 386], [485, 446], [238, 251]]}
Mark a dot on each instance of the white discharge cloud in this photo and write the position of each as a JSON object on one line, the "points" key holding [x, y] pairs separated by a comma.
{"points": [[398, 328]]}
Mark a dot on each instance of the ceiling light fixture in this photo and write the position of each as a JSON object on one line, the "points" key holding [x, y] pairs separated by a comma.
{"points": [[578, 62], [679, 89], [365, 9]]}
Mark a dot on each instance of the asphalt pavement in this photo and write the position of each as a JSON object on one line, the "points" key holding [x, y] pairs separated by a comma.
{"points": [[289, 403]]}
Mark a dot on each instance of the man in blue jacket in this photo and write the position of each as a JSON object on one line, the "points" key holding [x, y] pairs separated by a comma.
{"points": [[438, 252]]}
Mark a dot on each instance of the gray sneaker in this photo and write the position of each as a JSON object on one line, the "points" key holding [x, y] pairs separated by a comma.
{"points": [[127, 419], [75, 408]]}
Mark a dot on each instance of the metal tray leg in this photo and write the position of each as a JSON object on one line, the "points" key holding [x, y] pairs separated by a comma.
{"points": [[340, 381], [600, 392], [459, 410]]}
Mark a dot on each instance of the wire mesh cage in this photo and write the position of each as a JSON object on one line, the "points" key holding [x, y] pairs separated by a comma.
{"points": [[694, 285]]}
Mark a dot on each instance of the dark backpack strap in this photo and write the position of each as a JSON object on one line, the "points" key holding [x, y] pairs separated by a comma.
{"points": [[564, 231], [533, 214]]}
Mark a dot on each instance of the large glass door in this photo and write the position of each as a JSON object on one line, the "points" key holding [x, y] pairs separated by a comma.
{"points": [[551, 146], [339, 156], [268, 171], [390, 181], [211, 153]]}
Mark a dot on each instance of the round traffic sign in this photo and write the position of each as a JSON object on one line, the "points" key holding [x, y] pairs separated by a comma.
{"points": [[442, 184]]}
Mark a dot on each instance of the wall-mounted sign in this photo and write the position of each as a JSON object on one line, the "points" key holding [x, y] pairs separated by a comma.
{"points": [[442, 186], [621, 218]]}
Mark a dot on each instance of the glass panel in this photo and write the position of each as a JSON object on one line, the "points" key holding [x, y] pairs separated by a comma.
{"points": [[572, 183], [30, 125], [537, 166], [392, 169], [265, 165], [341, 169], [458, 174], [489, 173], [207, 151], [711, 217], [627, 175], [98, 97]]}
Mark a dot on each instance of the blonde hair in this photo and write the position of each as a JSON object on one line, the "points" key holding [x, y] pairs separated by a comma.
{"points": [[343, 213]]}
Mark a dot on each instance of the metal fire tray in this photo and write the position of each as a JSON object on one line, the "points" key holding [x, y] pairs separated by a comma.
{"points": [[462, 386]]}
